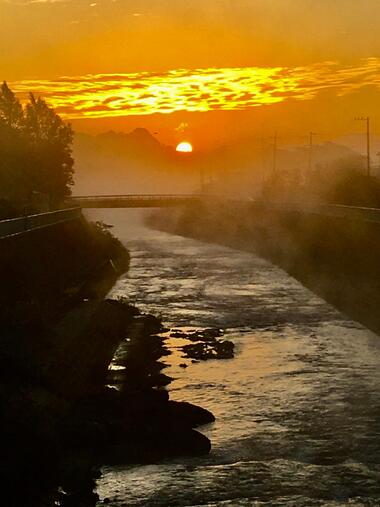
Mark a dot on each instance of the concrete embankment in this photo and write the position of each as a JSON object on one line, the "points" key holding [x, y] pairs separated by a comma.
{"points": [[336, 257]]}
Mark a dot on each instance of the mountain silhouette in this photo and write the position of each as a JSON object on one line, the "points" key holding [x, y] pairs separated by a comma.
{"points": [[134, 162], [137, 162]]}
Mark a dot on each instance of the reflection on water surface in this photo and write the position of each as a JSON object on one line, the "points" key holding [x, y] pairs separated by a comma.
{"points": [[297, 410]]}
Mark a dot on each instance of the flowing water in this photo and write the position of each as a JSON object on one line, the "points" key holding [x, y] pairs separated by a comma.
{"points": [[298, 408]]}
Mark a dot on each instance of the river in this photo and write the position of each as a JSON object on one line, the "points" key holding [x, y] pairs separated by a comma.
{"points": [[298, 408]]}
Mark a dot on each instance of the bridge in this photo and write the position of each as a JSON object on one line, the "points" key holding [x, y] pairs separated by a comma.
{"points": [[172, 200], [25, 224], [133, 200]]}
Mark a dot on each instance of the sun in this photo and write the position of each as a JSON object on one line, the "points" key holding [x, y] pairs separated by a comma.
{"points": [[184, 147]]}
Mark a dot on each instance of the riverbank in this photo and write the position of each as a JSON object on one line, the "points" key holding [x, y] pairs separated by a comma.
{"points": [[336, 258], [64, 413], [48, 276]]}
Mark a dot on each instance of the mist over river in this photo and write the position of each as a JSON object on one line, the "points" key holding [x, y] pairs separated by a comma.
{"points": [[298, 408]]}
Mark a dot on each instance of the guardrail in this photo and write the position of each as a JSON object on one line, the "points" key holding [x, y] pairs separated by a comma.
{"points": [[22, 225], [328, 210], [352, 212]]}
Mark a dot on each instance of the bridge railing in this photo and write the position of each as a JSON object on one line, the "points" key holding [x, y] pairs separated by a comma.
{"points": [[353, 212], [134, 197], [16, 226]]}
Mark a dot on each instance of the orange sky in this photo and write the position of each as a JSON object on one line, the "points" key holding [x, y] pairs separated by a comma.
{"points": [[210, 71]]}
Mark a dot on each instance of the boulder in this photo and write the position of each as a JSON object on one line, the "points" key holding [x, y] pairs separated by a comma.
{"points": [[150, 446], [187, 414]]}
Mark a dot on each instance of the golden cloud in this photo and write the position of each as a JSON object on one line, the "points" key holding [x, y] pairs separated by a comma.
{"points": [[109, 95]]}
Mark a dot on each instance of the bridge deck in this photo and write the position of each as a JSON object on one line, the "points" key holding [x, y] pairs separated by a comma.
{"points": [[133, 201]]}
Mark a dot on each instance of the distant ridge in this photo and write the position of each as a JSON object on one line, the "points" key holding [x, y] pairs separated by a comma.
{"points": [[136, 161]]}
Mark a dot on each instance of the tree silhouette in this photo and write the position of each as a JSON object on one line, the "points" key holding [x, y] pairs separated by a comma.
{"points": [[13, 149], [50, 142], [11, 112], [35, 152]]}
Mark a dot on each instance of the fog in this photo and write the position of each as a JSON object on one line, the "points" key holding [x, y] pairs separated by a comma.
{"points": [[137, 163], [114, 163]]}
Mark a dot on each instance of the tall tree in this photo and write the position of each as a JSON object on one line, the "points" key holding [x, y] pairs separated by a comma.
{"points": [[11, 112], [50, 141], [35, 153], [13, 149]]}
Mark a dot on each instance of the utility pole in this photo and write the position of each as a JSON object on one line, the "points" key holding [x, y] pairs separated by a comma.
{"points": [[310, 161], [368, 150], [263, 159], [275, 140], [367, 120]]}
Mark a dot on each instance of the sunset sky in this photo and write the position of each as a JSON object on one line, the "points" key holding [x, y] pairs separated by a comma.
{"points": [[208, 71]]}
